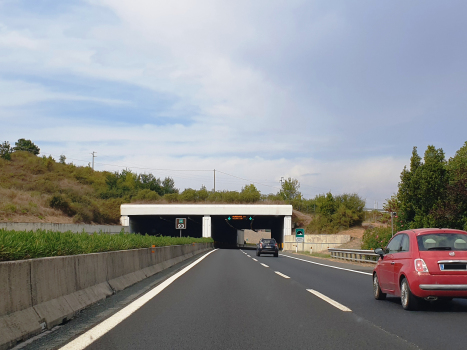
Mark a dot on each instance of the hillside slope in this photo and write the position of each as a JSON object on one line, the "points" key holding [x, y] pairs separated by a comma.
{"points": [[38, 189]]}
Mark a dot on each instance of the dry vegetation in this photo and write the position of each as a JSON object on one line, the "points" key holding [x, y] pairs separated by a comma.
{"points": [[39, 189], [28, 183]]}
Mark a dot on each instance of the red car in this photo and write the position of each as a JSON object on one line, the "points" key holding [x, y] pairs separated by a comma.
{"points": [[422, 264]]}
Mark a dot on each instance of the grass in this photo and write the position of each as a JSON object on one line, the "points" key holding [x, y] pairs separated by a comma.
{"points": [[316, 255], [19, 245]]}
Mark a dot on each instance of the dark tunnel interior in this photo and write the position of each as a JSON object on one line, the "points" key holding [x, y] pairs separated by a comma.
{"points": [[223, 228]]}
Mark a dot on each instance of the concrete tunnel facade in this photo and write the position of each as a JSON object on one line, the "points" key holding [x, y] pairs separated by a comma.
{"points": [[218, 221]]}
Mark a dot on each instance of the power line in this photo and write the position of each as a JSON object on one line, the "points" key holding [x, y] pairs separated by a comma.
{"points": [[241, 178], [188, 170]]}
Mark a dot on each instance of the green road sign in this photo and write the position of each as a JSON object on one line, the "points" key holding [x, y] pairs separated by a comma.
{"points": [[299, 235], [180, 223]]}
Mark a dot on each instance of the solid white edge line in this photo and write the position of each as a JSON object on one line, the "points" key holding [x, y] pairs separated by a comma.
{"points": [[334, 267], [264, 265], [102, 328], [330, 301], [254, 259], [281, 274]]}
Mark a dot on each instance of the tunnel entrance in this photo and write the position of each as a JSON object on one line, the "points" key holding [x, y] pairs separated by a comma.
{"points": [[225, 224], [225, 232]]}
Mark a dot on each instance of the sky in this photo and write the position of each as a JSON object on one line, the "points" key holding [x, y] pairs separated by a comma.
{"points": [[334, 94]]}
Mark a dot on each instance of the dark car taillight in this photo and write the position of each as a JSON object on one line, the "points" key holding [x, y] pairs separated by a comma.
{"points": [[261, 245]]}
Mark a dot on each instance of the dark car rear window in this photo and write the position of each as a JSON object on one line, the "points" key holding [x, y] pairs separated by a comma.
{"points": [[442, 241], [268, 241]]}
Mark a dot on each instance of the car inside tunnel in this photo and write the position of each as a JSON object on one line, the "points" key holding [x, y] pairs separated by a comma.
{"points": [[224, 228]]}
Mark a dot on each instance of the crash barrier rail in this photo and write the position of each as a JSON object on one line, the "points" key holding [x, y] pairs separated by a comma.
{"points": [[361, 255]]}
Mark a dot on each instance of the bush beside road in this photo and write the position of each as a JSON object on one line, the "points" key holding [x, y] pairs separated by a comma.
{"points": [[18, 245]]}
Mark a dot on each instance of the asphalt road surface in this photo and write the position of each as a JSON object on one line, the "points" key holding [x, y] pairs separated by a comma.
{"points": [[232, 299]]}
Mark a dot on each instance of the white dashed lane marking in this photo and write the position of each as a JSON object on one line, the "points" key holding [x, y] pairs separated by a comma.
{"points": [[281, 274], [329, 300]]}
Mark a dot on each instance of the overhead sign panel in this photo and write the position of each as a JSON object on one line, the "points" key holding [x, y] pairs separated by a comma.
{"points": [[239, 217]]}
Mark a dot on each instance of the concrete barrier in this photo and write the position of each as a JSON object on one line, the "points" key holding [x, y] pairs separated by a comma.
{"points": [[39, 294], [319, 243], [33, 226]]}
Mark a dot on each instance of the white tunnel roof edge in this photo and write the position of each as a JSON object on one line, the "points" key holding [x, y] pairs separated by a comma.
{"points": [[205, 209]]}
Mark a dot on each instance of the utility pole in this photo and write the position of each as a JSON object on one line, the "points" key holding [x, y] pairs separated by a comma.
{"points": [[93, 156], [214, 180]]}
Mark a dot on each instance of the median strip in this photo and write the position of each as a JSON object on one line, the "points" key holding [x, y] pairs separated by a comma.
{"points": [[281, 274], [329, 300]]}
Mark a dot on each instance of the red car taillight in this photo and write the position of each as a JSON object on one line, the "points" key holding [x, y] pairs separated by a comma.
{"points": [[420, 265]]}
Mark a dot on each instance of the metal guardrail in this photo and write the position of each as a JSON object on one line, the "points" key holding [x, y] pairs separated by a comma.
{"points": [[354, 255]]}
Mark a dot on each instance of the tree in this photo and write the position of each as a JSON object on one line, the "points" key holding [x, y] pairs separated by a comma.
{"points": [[289, 189], [392, 204], [168, 186], [5, 150], [408, 194], [433, 181], [26, 145], [424, 189], [62, 159], [250, 194], [457, 165]]}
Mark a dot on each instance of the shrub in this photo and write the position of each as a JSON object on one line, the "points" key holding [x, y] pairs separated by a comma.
{"points": [[27, 146], [147, 195], [336, 213], [61, 203], [376, 237], [171, 197], [250, 194], [188, 195], [10, 208]]}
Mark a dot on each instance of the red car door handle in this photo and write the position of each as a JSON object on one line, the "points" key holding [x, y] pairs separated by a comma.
{"points": [[392, 262]]}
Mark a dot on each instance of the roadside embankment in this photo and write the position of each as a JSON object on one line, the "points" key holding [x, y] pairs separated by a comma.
{"points": [[37, 294]]}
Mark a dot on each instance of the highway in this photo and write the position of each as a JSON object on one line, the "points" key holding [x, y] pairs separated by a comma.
{"points": [[231, 299]]}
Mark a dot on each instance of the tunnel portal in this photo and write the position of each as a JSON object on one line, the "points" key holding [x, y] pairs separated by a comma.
{"points": [[220, 222]]}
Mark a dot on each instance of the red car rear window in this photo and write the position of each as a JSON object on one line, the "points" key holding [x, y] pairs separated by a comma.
{"points": [[442, 241]]}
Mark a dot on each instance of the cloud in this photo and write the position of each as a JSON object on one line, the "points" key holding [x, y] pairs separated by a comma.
{"points": [[331, 93], [21, 93]]}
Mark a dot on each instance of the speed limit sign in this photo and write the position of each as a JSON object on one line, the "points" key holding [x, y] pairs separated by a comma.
{"points": [[180, 223]]}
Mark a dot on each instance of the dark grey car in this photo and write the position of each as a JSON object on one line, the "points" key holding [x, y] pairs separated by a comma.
{"points": [[267, 246]]}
